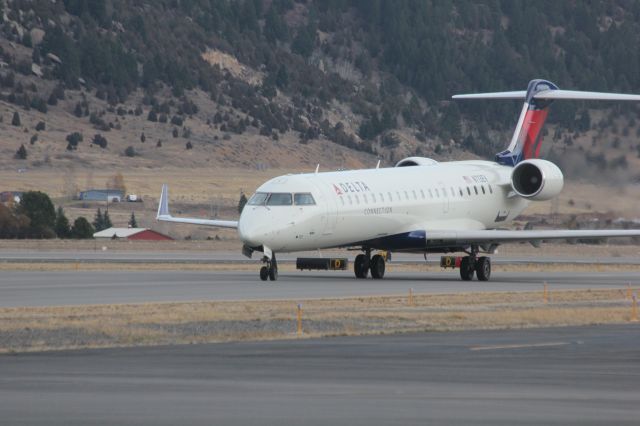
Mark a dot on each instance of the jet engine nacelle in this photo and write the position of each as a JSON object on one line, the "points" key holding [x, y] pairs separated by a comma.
{"points": [[416, 161], [537, 180]]}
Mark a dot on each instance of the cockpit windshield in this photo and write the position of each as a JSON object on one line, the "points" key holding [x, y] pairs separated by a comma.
{"points": [[257, 199], [279, 199], [304, 199]]}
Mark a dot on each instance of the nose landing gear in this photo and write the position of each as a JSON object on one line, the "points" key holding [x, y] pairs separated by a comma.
{"points": [[270, 270]]}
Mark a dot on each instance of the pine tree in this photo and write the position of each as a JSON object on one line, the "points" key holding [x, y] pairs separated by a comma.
{"points": [[62, 224], [82, 228], [132, 221], [21, 153], [15, 121], [106, 220], [98, 221]]}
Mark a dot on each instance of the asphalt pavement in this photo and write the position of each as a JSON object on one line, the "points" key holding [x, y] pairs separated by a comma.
{"points": [[563, 376], [36, 288]]}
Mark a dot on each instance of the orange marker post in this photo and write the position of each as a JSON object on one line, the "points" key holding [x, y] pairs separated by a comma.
{"points": [[299, 319], [634, 309]]}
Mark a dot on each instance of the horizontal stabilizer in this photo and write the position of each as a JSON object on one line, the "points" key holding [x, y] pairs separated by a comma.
{"points": [[164, 215], [553, 94], [518, 94]]}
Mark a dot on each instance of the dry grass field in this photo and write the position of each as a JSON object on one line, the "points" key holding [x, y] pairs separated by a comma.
{"points": [[52, 328]]}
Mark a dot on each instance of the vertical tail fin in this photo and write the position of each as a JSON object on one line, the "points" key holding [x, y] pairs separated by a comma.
{"points": [[527, 138]]}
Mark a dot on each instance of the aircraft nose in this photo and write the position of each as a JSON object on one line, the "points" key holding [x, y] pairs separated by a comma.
{"points": [[249, 231]]}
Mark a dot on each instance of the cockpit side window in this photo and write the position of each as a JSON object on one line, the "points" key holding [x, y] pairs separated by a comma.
{"points": [[303, 200], [279, 199], [257, 199]]}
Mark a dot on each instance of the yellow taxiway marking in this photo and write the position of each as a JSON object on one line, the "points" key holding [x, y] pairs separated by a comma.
{"points": [[518, 346]]}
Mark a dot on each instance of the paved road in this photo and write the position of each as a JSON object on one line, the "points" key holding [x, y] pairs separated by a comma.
{"points": [[558, 376], [27, 288]]}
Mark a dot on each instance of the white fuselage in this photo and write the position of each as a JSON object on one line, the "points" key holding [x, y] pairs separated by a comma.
{"points": [[361, 205]]}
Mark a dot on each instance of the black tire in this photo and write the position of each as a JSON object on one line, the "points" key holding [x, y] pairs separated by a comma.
{"points": [[273, 273], [466, 269], [483, 268], [377, 267], [360, 266], [264, 273]]}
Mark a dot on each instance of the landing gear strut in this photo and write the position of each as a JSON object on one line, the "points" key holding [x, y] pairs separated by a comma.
{"points": [[270, 270], [365, 263]]}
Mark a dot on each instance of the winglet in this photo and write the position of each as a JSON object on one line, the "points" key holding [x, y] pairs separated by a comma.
{"points": [[163, 207]]}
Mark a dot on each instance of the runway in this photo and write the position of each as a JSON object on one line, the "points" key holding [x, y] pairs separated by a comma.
{"points": [[29, 288], [586, 375]]}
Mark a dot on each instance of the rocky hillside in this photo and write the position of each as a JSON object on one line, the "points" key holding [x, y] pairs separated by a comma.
{"points": [[282, 83]]}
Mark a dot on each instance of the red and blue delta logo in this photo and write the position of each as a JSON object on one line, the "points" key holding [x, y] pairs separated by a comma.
{"points": [[348, 187]]}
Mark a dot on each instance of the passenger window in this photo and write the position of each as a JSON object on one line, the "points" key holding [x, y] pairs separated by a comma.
{"points": [[415, 197], [422, 193], [342, 200], [406, 195], [390, 197], [303, 200], [430, 194], [468, 191], [398, 194], [475, 188], [257, 199], [279, 199], [490, 189], [437, 193], [364, 198], [350, 200], [461, 193], [453, 193], [381, 197], [444, 193], [482, 187], [357, 199]]}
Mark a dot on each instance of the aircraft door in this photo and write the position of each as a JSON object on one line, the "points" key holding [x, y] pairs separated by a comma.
{"points": [[329, 212]]}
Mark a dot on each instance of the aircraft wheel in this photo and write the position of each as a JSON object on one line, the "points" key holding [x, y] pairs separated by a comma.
{"points": [[377, 267], [466, 269], [360, 266], [264, 273], [483, 268]]}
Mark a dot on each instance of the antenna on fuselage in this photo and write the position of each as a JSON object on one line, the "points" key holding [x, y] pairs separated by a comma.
{"points": [[317, 168]]}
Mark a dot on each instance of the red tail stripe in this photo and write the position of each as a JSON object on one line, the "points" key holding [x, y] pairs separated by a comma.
{"points": [[531, 128]]}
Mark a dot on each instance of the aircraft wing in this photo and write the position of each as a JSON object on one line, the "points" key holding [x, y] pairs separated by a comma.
{"points": [[489, 236], [164, 215]]}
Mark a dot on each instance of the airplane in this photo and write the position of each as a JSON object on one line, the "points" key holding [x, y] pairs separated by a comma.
{"points": [[418, 206]]}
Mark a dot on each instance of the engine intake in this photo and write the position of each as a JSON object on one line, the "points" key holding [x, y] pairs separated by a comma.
{"points": [[537, 180]]}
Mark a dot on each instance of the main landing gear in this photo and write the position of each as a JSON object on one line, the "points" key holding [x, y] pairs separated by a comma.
{"points": [[270, 270], [469, 265], [365, 263]]}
